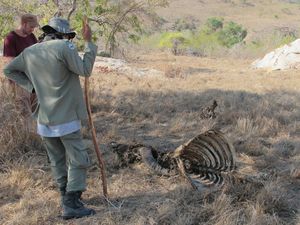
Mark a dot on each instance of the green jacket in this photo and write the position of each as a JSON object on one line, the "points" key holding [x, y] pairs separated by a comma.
{"points": [[52, 69]]}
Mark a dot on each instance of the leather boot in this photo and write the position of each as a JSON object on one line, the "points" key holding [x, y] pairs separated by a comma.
{"points": [[73, 207]]}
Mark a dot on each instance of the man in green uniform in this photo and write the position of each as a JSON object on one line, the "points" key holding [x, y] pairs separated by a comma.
{"points": [[51, 69]]}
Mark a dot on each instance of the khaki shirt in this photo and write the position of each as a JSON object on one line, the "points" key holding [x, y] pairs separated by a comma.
{"points": [[52, 69]]}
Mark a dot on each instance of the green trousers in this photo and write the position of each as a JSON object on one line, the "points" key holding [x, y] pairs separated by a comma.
{"points": [[69, 160]]}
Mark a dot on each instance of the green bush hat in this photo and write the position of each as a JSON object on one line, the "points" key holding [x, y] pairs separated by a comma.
{"points": [[60, 25]]}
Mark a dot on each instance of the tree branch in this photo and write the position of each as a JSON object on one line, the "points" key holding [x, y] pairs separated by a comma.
{"points": [[134, 7], [72, 9], [58, 12]]}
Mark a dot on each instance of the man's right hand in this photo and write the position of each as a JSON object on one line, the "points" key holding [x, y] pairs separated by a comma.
{"points": [[86, 30]]}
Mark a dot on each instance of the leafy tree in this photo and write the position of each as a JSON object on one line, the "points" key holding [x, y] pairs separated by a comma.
{"points": [[174, 41], [117, 20], [124, 20]]}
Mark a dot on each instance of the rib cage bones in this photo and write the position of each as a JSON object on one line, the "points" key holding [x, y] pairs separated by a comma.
{"points": [[206, 160]]}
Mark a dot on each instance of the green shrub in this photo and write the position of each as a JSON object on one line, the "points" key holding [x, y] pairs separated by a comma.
{"points": [[231, 34], [216, 34], [213, 38], [213, 24], [176, 41], [168, 38]]}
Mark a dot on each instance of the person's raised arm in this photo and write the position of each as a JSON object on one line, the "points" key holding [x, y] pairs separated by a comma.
{"points": [[74, 62]]}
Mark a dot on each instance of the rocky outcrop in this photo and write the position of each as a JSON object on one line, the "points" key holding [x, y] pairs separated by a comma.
{"points": [[107, 65], [286, 57]]}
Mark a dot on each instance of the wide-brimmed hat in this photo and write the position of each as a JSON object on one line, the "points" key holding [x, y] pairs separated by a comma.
{"points": [[60, 25]]}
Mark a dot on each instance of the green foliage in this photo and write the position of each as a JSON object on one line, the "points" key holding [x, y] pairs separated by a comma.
{"points": [[99, 9], [168, 38], [136, 24], [215, 35], [231, 34], [176, 41], [213, 24], [123, 20], [134, 38], [6, 22], [11, 10], [83, 9], [116, 21], [216, 31]]}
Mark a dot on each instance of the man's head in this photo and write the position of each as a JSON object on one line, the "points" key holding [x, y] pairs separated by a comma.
{"points": [[28, 23], [59, 27]]}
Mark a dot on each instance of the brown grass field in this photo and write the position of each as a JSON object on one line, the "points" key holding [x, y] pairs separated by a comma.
{"points": [[258, 110]]}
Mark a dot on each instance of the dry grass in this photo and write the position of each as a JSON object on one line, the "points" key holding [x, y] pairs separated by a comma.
{"points": [[258, 110]]}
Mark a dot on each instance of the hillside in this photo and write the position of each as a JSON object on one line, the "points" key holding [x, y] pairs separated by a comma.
{"points": [[257, 16], [256, 27]]}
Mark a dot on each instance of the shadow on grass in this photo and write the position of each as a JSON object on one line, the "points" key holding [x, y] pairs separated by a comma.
{"points": [[170, 118], [265, 127]]}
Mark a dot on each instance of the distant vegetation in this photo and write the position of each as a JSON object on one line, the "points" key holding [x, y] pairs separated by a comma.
{"points": [[114, 22], [120, 25], [216, 37], [215, 33]]}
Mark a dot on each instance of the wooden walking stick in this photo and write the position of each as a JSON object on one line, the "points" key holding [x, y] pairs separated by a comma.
{"points": [[97, 150]]}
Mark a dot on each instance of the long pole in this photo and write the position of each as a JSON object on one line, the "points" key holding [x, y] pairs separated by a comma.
{"points": [[88, 107], [97, 150]]}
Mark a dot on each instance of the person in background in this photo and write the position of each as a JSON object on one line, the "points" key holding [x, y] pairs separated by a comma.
{"points": [[14, 43], [51, 69], [22, 37]]}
